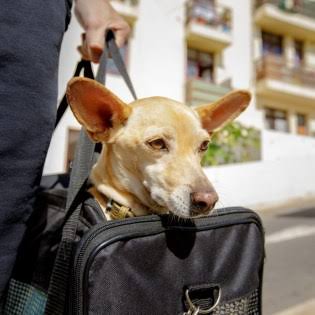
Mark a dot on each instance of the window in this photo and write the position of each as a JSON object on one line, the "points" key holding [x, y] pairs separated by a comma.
{"points": [[276, 119], [272, 44], [73, 136], [200, 65], [301, 124], [298, 53]]}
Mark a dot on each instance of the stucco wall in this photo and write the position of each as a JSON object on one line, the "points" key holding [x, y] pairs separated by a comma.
{"points": [[264, 184]]}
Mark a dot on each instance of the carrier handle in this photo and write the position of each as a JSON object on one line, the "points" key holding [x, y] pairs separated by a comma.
{"points": [[88, 73], [82, 166]]}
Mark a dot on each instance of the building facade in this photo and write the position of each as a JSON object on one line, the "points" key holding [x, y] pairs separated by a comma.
{"points": [[195, 51]]}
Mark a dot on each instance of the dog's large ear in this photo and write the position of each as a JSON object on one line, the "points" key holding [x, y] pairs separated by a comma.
{"points": [[100, 111], [214, 116]]}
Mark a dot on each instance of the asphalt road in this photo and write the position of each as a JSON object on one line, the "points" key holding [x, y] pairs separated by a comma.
{"points": [[289, 277]]}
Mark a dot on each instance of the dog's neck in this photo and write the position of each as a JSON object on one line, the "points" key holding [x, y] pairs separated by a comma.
{"points": [[105, 180]]}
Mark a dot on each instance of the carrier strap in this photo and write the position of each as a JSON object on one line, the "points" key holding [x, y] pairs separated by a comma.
{"points": [[84, 65], [82, 165]]}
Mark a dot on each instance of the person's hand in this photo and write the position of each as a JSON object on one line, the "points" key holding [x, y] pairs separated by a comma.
{"points": [[97, 16]]}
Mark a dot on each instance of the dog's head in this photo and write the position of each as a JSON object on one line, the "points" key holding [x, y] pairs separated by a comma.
{"points": [[153, 146]]}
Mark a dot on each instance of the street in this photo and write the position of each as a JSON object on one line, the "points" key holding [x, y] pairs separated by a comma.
{"points": [[289, 277]]}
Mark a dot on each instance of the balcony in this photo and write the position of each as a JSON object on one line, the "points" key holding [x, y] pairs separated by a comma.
{"points": [[127, 8], [208, 26], [296, 20], [201, 92], [278, 80]]}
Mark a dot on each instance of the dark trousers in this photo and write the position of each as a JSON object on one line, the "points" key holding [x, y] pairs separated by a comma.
{"points": [[30, 38]]}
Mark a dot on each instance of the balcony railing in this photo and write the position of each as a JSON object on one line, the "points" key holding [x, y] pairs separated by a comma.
{"points": [[274, 67], [202, 92], [305, 7], [210, 14]]}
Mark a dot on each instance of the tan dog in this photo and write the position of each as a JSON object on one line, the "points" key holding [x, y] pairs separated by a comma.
{"points": [[152, 148]]}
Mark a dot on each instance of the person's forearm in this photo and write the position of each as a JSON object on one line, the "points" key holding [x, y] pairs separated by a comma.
{"points": [[97, 16]]}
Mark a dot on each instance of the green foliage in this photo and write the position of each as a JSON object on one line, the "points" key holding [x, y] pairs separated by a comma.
{"points": [[234, 143]]}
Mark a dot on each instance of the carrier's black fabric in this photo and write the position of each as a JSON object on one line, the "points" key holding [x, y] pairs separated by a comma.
{"points": [[72, 261], [142, 265]]}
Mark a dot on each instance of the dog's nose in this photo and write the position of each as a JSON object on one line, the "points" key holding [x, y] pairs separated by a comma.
{"points": [[203, 202]]}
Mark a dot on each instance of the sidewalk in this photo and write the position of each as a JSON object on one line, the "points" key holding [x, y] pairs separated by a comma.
{"points": [[306, 308], [294, 205], [288, 206]]}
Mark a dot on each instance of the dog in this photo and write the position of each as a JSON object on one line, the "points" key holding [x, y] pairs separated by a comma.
{"points": [[152, 149]]}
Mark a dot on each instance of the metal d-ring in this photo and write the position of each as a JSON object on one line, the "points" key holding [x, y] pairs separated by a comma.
{"points": [[196, 309]]}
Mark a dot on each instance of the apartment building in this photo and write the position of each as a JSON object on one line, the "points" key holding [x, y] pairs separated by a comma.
{"points": [[195, 51], [285, 67]]}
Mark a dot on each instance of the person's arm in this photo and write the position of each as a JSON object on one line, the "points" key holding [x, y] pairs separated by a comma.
{"points": [[97, 16]]}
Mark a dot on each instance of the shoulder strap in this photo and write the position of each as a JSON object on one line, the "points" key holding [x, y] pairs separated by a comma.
{"points": [[82, 165]]}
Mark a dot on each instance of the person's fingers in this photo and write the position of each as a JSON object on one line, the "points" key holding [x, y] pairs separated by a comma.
{"points": [[121, 29], [82, 49], [96, 17], [83, 53], [95, 43], [93, 40], [121, 35], [95, 53]]}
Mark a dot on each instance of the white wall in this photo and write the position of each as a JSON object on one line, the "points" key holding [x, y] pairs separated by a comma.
{"points": [[238, 58], [158, 61], [279, 145], [264, 184]]}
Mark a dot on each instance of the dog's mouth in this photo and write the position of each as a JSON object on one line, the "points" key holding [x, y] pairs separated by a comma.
{"points": [[191, 215], [158, 209], [181, 202]]}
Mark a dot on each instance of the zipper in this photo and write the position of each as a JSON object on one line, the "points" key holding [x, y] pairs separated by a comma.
{"points": [[85, 256]]}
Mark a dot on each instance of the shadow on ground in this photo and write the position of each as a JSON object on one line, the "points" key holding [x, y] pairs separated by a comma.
{"points": [[305, 213]]}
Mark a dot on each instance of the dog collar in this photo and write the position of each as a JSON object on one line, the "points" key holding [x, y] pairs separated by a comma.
{"points": [[113, 209], [117, 211]]}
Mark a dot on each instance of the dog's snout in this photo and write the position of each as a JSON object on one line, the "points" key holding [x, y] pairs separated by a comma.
{"points": [[203, 202]]}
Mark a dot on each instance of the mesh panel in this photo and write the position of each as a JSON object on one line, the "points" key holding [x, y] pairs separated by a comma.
{"points": [[253, 303], [23, 299], [244, 306]]}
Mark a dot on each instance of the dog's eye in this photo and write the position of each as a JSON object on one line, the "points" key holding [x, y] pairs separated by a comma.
{"points": [[158, 144], [204, 146]]}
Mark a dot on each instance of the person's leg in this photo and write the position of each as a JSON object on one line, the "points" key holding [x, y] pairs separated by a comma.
{"points": [[30, 39]]}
